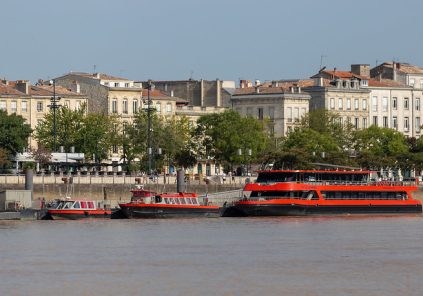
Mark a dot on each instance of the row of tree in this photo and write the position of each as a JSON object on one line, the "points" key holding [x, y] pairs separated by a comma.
{"points": [[318, 137]]}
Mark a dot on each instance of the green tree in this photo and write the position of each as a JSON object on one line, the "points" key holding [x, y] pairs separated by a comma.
{"points": [[220, 136], [380, 147], [14, 133]]}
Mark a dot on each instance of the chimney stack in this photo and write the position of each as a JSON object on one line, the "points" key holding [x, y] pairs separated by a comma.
{"points": [[23, 86]]}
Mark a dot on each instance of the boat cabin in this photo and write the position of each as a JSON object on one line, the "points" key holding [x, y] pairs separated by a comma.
{"points": [[76, 205], [311, 176]]}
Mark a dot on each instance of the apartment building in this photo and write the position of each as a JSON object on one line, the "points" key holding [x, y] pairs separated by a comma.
{"points": [[282, 103], [32, 102]]}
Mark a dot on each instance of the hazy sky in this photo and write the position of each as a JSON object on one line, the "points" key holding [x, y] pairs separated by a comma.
{"points": [[223, 39]]}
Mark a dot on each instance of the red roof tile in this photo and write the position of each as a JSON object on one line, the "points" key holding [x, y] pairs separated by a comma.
{"points": [[8, 90]]}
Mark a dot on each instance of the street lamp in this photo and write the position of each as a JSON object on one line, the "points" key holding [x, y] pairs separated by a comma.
{"points": [[54, 105], [150, 86]]}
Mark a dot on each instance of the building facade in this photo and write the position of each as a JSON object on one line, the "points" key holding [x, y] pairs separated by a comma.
{"points": [[33, 102], [283, 104]]}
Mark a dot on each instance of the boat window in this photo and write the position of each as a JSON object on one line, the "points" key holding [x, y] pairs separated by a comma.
{"points": [[166, 200], [83, 204], [177, 201], [183, 201], [60, 206], [189, 201], [76, 205], [158, 199], [194, 201], [68, 205], [91, 205]]}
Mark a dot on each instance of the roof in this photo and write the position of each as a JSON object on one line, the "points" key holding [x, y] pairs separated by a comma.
{"points": [[97, 76], [47, 90], [404, 67], [158, 95], [8, 90], [342, 74], [386, 83], [282, 87]]}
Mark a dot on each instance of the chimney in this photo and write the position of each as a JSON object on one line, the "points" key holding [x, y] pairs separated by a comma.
{"points": [[171, 93], [257, 89], [249, 83], [398, 66], [23, 86], [275, 83], [242, 83], [96, 75], [361, 69], [257, 82]]}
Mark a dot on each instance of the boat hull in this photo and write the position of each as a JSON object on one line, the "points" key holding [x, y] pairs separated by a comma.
{"points": [[168, 212], [244, 210], [77, 215]]}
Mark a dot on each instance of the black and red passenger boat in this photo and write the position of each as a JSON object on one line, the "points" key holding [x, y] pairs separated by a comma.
{"points": [[308, 192], [149, 204]]}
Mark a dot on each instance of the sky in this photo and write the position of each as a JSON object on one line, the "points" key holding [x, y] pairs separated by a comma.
{"points": [[220, 39]]}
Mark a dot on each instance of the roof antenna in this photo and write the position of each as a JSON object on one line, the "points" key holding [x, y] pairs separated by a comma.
{"points": [[94, 68], [321, 60]]}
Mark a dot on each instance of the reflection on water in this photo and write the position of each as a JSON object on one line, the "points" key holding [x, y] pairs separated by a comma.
{"points": [[348, 255]]}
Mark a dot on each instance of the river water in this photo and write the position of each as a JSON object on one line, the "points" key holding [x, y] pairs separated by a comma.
{"points": [[347, 255]]}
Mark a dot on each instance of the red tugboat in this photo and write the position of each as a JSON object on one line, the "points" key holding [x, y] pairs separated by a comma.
{"points": [[149, 204], [311, 192], [77, 209]]}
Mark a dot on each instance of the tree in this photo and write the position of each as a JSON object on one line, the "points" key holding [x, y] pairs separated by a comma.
{"points": [[219, 136], [380, 147], [14, 133]]}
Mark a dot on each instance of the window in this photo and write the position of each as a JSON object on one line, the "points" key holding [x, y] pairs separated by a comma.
{"points": [[106, 84], [168, 107], [114, 106], [356, 104], [126, 84], [114, 149], [385, 121], [417, 104], [125, 106], [303, 112], [289, 114], [158, 108], [272, 113], [385, 104], [341, 120], [364, 104], [340, 104], [116, 84], [67, 104], [394, 122], [135, 106], [364, 122], [406, 103], [374, 104], [332, 103], [421, 83], [260, 113], [83, 204], [3, 105], [296, 114], [78, 105], [91, 205], [356, 122], [364, 82], [24, 106], [375, 120], [411, 82], [76, 205], [348, 104], [40, 107], [418, 124], [394, 103], [406, 126], [13, 106]]}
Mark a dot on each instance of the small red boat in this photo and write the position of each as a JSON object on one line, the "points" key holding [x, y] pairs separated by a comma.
{"points": [[78, 209], [149, 204]]}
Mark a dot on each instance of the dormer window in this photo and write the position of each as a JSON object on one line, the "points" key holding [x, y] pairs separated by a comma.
{"points": [[116, 84], [364, 82]]}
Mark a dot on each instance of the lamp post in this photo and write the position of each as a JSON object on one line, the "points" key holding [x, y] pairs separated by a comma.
{"points": [[54, 106], [150, 85]]}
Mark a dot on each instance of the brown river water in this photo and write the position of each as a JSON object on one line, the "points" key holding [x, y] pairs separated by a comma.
{"points": [[349, 255]]}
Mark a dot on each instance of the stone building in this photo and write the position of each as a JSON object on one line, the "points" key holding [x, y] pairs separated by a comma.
{"points": [[32, 101], [282, 103], [343, 92], [404, 73], [202, 93]]}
